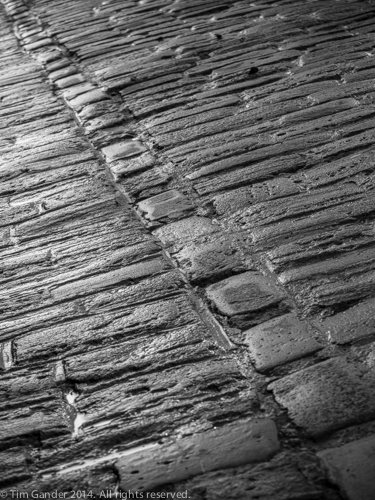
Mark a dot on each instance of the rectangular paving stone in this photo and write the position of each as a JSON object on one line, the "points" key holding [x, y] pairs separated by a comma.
{"points": [[355, 323], [328, 396], [125, 167], [123, 150], [168, 204], [105, 280], [213, 258], [281, 478], [248, 298], [239, 443], [352, 468], [68, 81], [77, 103], [187, 229], [280, 340]]}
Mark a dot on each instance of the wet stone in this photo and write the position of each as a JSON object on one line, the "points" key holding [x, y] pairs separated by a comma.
{"points": [[278, 479], [209, 261], [328, 396], [351, 325], [59, 64], [279, 341], [249, 298], [80, 101], [38, 44], [230, 446], [76, 90], [123, 168], [68, 81], [104, 121], [105, 280], [48, 56], [123, 150], [188, 229], [6, 355], [352, 468], [169, 204], [62, 73]]}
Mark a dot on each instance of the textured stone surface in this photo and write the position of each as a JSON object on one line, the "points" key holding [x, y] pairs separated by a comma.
{"points": [[169, 204], [280, 340], [234, 445], [248, 296], [186, 229], [122, 150], [328, 396], [279, 478], [254, 127], [353, 324], [352, 468]]}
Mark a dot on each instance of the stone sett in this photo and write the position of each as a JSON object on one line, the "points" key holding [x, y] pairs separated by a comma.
{"points": [[77, 103], [123, 149], [248, 441], [248, 295], [187, 229], [169, 204], [280, 340], [68, 81], [355, 323], [212, 260], [352, 468], [328, 396]]}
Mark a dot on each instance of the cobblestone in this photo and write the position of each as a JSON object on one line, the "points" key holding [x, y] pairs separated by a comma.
{"points": [[187, 199], [247, 298], [235, 445], [280, 340], [308, 395], [351, 467]]}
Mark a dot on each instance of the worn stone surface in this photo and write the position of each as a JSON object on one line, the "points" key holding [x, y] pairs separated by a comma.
{"points": [[279, 478], [247, 297], [244, 442], [173, 175], [169, 204], [122, 150], [188, 229], [328, 396], [352, 467], [280, 340], [352, 325]]}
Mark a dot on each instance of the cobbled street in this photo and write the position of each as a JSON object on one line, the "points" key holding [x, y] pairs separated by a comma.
{"points": [[187, 249]]}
